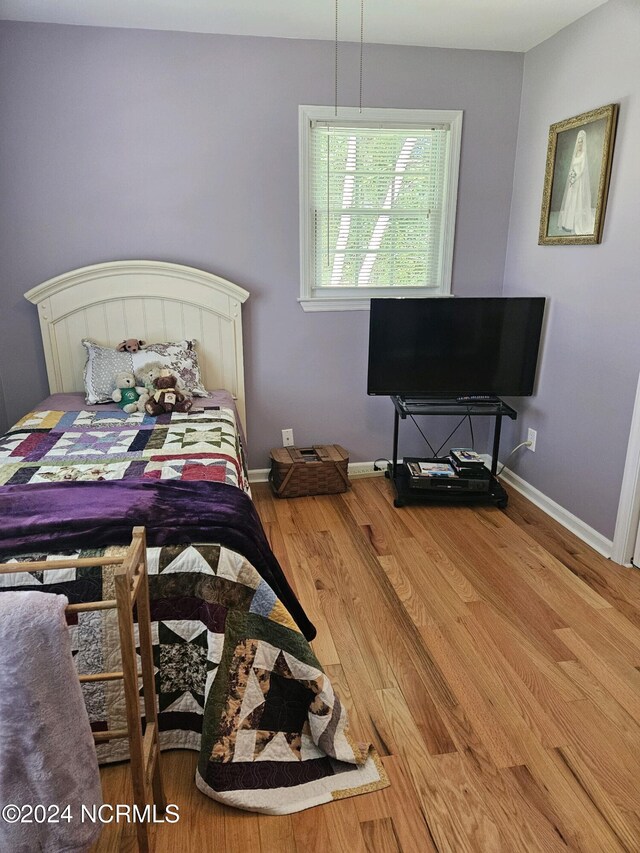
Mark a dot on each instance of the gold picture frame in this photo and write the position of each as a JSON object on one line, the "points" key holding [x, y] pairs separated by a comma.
{"points": [[576, 180]]}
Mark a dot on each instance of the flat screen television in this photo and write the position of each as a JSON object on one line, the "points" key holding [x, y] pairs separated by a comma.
{"points": [[454, 347]]}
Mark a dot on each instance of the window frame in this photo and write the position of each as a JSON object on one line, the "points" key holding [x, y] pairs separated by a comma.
{"points": [[313, 298]]}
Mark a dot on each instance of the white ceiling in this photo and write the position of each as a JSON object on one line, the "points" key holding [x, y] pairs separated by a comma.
{"points": [[477, 24]]}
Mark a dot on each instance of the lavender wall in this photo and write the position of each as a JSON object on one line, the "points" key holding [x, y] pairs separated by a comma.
{"points": [[183, 147], [589, 369]]}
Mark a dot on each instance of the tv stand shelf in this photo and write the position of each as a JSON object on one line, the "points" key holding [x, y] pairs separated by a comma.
{"points": [[451, 406], [404, 407]]}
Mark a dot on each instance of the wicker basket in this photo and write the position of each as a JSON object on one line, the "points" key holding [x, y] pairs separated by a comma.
{"points": [[317, 470]]}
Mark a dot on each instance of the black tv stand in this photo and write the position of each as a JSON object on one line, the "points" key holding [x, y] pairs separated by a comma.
{"points": [[483, 407]]}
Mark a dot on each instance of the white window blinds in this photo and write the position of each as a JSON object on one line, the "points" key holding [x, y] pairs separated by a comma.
{"points": [[377, 196]]}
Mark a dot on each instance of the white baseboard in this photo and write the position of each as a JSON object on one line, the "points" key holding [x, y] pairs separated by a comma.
{"points": [[582, 530], [355, 470]]}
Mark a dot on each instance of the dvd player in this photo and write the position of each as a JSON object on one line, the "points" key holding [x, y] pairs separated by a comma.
{"points": [[449, 484], [443, 481]]}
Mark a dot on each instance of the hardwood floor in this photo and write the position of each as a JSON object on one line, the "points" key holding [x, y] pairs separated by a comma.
{"points": [[491, 657]]}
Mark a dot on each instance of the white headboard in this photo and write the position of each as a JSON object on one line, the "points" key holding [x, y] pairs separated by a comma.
{"points": [[152, 300]]}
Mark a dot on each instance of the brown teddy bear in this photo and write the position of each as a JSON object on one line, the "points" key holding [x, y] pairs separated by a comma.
{"points": [[167, 397]]}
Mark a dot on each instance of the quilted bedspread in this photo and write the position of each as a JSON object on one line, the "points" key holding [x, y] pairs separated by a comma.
{"points": [[55, 446], [235, 677]]}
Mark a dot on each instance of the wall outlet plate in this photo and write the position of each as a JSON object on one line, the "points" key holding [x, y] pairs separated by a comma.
{"points": [[532, 435], [287, 438]]}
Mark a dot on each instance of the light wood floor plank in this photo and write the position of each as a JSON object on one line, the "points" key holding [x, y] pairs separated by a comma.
{"points": [[491, 571], [446, 827], [622, 682], [311, 831], [616, 789], [410, 824], [523, 705], [490, 656], [578, 817], [527, 659], [616, 585], [379, 836], [276, 833], [323, 645], [242, 830], [478, 708], [609, 710]]}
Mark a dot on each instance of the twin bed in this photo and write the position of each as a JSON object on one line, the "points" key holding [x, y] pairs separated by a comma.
{"points": [[236, 677]]}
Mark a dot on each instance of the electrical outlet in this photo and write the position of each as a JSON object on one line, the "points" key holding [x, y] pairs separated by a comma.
{"points": [[532, 436], [287, 438]]}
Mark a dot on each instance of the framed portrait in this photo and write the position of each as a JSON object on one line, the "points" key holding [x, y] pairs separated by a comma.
{"points": [[576, 179]]}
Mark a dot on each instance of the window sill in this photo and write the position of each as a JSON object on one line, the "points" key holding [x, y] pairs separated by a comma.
{"points": [[363, 303], [343, 304]]}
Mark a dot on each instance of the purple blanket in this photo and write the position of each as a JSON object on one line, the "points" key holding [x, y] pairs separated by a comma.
{"points": [[65, 516]]}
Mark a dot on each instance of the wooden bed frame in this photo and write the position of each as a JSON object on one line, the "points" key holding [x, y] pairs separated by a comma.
{"points": [[152, 300]]}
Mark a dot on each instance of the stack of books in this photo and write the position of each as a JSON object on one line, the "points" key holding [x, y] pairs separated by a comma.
{"points": [[431, 469], [467, 463]]}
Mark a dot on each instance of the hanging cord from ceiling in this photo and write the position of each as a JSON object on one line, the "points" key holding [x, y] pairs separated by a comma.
{"points": [[335, 99], [335, 104], [361, 48], [361, 77]]}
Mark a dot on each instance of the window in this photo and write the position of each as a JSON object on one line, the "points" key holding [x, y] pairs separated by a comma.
{"points": [[377, 204]]}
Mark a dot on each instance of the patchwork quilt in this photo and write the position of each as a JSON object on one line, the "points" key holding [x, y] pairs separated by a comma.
{"points": [[57, 446], [235, 677]]}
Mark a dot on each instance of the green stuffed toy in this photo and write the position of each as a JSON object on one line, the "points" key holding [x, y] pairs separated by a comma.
{"points": [[126, 394]]}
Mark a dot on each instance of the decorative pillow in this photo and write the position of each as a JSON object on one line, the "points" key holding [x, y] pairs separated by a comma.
{"points": [[100, 371], [104, 362], [180, 358]]}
